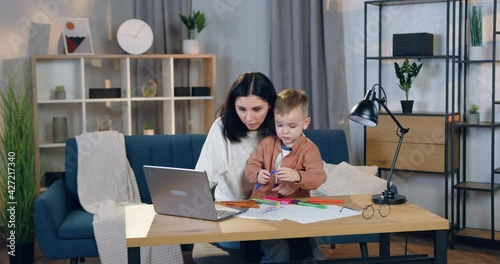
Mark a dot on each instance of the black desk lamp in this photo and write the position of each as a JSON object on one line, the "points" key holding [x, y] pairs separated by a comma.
{"points": [[366, 114]]}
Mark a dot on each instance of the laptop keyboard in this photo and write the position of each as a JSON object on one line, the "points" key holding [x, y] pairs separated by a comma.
{"points": [[224, 213]]}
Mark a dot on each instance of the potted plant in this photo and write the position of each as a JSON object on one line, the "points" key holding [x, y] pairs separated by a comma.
{"points": [[196, 21], [19, 173], [476, 49], [473, 116], [148, 129], [406, 74], [60, 92]]}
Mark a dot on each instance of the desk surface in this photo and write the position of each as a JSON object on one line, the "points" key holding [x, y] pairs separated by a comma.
{"points": [[146, 228]]}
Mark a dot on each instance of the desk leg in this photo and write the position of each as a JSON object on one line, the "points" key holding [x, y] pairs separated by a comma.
{"points": [[441, 246], [134, 255], [385, 245]]}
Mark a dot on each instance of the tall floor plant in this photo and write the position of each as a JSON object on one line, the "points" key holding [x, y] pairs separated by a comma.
{"points": [[19, 182]]}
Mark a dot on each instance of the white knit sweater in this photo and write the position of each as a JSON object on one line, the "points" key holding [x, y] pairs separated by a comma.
{"points": [[225, 163]]}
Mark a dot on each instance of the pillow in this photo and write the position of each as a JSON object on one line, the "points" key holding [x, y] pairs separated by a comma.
{"points": [[373, 170], [345, 179]]}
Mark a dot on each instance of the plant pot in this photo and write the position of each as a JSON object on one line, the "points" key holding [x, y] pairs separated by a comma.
{"points": [[60, 94], [407, 106], [149, 132], [59, 129], [473, 118], [480, 53], [24, 254], [190, 46]]}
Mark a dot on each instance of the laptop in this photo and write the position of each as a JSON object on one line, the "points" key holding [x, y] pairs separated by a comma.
{"points": [[184, 192]]}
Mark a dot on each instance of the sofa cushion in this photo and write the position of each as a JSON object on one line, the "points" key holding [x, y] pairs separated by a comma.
{"points": [[77, 225], [372, 170], [346, 179]]}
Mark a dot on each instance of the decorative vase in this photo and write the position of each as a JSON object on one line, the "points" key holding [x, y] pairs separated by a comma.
{"points": [[190, 46], [60, 94], [149, 88], [473, 118], [149, 132], [104, 123], [59, 129], [25, 254], [407, 106]]}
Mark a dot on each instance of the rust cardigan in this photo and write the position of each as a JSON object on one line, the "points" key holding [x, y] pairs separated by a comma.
{"points": [[304, 158]]}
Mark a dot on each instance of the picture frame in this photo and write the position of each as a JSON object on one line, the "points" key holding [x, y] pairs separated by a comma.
{"points": [[77, 37]]}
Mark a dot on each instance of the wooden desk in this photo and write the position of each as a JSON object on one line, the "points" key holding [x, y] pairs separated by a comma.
{"points": [[146, 228]]}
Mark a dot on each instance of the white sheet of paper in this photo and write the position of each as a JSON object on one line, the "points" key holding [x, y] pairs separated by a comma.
{"points": [[297, 213]]}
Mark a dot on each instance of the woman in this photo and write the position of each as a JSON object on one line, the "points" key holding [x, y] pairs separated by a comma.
{"points": [[246, 117]]}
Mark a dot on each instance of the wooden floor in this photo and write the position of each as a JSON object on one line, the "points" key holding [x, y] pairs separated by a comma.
{"points": [[418, 243]]}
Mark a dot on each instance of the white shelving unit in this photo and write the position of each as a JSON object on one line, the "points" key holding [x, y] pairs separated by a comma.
{"points": [[168, 113]]}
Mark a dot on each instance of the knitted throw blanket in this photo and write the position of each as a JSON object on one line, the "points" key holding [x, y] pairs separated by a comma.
{"points": [[106, 183]]}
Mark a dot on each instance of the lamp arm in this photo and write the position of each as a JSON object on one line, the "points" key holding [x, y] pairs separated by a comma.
{"points": [[401, 133], [401, 128], [401, 136]]}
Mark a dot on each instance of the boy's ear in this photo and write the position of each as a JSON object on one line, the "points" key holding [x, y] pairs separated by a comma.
{"points": [[307, 121]]}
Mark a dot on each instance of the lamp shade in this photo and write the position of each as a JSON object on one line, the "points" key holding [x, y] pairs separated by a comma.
{"points": [[365, 112]]}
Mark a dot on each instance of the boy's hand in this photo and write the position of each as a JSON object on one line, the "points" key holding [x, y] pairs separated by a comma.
{"points": [[286, 188], [263, 176], [288, 174]]}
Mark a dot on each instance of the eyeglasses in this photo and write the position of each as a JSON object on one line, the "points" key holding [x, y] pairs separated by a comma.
{"points": [[368, 211]]}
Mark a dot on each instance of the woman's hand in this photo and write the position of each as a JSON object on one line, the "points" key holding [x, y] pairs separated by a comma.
{"points": [[285, 188]]}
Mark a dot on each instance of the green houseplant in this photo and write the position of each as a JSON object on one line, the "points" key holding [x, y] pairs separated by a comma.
{"points": [[476, 26], [194, 22], [148, 129], [473, 116], [60, 92], [406, 74], [19, 174]]}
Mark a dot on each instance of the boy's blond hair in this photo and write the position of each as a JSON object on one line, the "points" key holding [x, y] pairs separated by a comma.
{"points": [[289, 99]]}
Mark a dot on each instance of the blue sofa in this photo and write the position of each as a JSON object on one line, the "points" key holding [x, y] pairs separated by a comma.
{"points": [[64, 230]]}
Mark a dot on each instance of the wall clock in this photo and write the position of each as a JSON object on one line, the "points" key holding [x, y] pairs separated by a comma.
{"points": [[134, 36]]}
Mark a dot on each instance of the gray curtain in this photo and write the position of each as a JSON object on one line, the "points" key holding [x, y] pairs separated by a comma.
{"points": [[307, 53], [163, 17], [169, 32]]}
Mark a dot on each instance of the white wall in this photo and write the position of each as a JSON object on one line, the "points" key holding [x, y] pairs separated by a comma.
{"points": [[16, 18], [237, 32]]}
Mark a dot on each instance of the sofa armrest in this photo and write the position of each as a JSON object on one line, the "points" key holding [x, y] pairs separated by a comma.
{"points": [[50, 209]]}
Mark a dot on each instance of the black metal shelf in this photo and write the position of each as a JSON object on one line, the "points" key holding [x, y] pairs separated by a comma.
{"points": [[476, 61], [446, 62], [402, 2], [410, 57], [481, 124], [478, 235], [477, 186]]}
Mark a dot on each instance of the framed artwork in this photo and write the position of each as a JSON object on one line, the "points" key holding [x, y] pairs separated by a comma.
{"points": [[76, 33]]}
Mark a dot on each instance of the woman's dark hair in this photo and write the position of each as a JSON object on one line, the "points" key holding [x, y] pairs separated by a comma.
{"points": [[249, 83]]}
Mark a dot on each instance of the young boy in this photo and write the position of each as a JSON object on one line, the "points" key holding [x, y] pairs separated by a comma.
{"points": [[289, 156]]}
